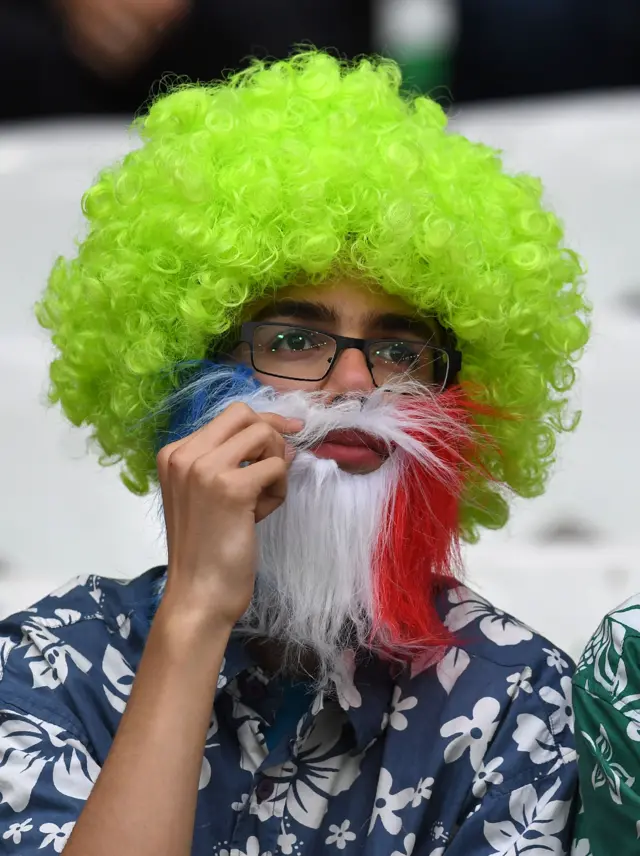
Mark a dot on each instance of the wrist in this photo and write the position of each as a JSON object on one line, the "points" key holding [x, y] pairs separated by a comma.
{"points": [[192, 638], [192, 619]]}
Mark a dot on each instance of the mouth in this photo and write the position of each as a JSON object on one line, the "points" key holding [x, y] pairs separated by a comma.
{"points": [[353, 449]]}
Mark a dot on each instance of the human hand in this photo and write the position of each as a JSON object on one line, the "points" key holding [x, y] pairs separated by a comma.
{"points": [[212, 505], [114, 36]]}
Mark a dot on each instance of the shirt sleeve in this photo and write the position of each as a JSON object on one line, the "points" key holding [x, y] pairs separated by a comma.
{"points": [[608, 740], [46, 775]]}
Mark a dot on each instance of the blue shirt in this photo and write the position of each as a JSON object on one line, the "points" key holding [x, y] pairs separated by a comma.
{"points": [[472, 755]]}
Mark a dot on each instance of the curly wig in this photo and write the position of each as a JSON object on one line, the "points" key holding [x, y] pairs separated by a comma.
{"points": [[296, 169]]}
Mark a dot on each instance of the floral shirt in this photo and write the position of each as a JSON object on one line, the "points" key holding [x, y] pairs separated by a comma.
{"points": [[471, 755], [607, 699]]}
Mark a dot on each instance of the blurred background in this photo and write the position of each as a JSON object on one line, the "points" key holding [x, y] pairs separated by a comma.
{"points": [[553, 83]]}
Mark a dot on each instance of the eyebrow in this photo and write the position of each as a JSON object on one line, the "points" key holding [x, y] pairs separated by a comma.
{"points": [[386, 322]]}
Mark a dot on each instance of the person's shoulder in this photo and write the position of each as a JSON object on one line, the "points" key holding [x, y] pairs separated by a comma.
{"points": [[609, 662], [505, 686], [496, 637], [49, 647]]}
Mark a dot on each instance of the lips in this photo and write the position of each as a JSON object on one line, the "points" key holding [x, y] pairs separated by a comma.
{"points": [[357, 439]]}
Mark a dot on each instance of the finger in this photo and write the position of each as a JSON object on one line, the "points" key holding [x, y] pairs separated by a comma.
{"points": [[220, 429], [267, 482], [255, 443]]}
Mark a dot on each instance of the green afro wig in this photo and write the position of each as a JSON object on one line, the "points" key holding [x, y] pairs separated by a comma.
{"points": [[294, 169]]}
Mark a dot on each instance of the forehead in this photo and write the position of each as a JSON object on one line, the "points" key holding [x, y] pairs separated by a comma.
{"points": [[347, 297]]}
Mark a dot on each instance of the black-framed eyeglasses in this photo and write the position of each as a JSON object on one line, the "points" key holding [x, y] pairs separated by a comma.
{"points": [[296, 352]]}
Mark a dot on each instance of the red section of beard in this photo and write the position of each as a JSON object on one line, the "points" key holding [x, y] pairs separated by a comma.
{"points": [[419, 552]]}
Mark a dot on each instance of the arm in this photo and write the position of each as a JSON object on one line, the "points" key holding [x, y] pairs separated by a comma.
{"points": [[145, 798], [144, 801]]}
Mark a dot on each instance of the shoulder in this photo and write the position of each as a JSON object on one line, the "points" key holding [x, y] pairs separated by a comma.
{"points": [[497, 638], [506, 689], [607, 680], [48, 650]]}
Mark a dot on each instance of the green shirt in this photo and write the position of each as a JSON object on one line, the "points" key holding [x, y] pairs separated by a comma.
{"points": [[607, 711]]}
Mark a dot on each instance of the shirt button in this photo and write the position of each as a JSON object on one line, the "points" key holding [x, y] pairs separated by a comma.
{"points": [[264, 790]]}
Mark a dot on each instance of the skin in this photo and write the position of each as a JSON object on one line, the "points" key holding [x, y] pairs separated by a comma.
{"points": [[359, 312], [144, 801], [113, 37]]}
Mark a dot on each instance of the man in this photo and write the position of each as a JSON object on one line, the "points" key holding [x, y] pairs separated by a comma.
{"points": [[71, 57], [607, 692], [348, 334]]}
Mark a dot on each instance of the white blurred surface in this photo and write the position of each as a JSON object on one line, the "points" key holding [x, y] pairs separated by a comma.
{"points": [[565, 558]]}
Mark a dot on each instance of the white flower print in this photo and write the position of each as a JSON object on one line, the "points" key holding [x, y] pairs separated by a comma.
{"points": [[534, 825], [555, 660], [286, 842], [27, 746], [533, 736], [438, 833], [563, 716], [124, 625], [340, 835], [422, 792], [205, 769], [120, 676], [451, 666], [487, 775], [473, 733], [605, 770], [519, 682], [241, 804], [319, 770], [581, 848], [17, 830], [409, 843], [51, 668], [496, 625], [56, 835], [633, 727], [252, 848], [397, 720], [253, 748], [7, 644], [387, 804]]}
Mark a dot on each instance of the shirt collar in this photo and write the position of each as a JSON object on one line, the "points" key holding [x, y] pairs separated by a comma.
{"points": [[364, 692]]}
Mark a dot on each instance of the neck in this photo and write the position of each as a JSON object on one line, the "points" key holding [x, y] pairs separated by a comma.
{"points": [[270, 654]]}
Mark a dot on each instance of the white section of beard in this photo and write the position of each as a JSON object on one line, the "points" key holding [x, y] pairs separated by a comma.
{"points": [[315, 588]]}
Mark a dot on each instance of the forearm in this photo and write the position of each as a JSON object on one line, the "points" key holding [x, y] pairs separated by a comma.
{"points": [[144, 801]]}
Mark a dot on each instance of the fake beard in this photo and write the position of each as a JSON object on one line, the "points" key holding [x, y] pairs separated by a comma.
{"points": [[353, 561]]}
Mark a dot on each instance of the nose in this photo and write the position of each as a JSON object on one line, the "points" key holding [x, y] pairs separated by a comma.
{"points": [[349, 373]]}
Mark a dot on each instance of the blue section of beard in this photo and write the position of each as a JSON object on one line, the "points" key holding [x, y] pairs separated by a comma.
{"points": [[207, 388]]}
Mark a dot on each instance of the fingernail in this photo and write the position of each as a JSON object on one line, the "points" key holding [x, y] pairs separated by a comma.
{"points": [[295, 424], [289, 452]]}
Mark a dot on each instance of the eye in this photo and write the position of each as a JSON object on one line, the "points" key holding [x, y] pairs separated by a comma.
{"points": [[398, 352], [294, 340]]}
